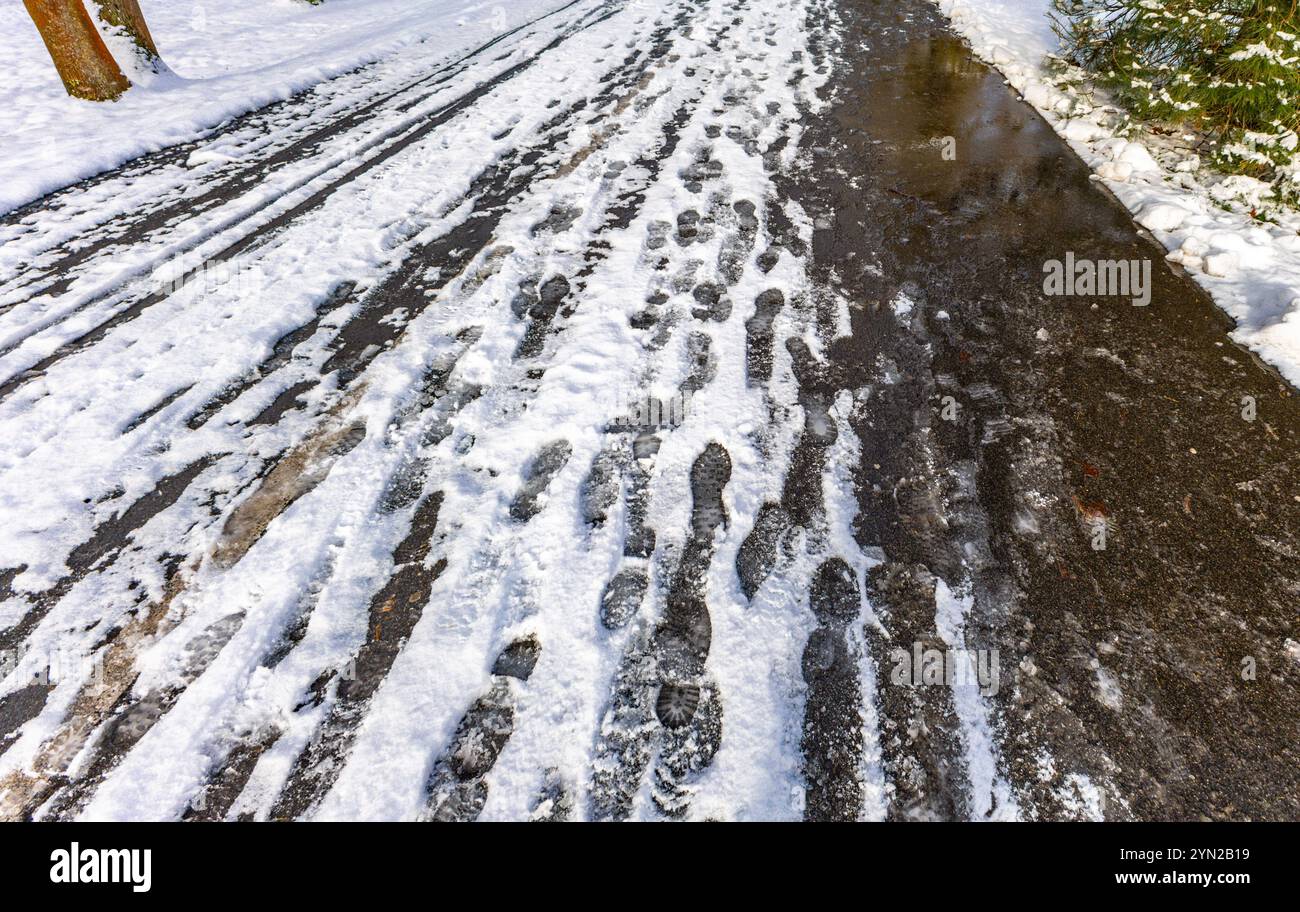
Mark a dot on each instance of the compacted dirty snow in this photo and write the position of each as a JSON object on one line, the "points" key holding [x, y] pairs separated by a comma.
{"points": [[553, 427]]}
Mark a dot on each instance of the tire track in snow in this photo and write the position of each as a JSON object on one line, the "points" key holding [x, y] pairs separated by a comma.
{"points": [[122, 311], [799, 556], [295, 476], [394, 612], [241, 175]]}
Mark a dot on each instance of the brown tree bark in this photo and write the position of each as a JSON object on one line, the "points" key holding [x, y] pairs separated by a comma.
{"points": [[86, 67], [126, 15]]}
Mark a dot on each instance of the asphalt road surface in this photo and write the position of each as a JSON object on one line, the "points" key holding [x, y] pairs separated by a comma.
{"points": [[655, 413]]}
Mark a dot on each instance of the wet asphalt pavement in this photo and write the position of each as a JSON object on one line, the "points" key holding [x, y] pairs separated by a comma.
{"points": [[1131, 538]]}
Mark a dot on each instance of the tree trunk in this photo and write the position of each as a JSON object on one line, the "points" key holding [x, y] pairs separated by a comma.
{"points": [[86, 67], [126, 15]]}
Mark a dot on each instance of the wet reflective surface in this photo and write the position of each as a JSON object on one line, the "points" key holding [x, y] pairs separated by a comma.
{"points": [[1129, 538]]}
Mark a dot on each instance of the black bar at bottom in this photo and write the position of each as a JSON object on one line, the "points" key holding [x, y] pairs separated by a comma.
{"points": [[338, 862]]}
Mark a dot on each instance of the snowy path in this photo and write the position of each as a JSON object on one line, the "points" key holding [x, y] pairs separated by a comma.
{"points": [[494, 439], [445, 273]]}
